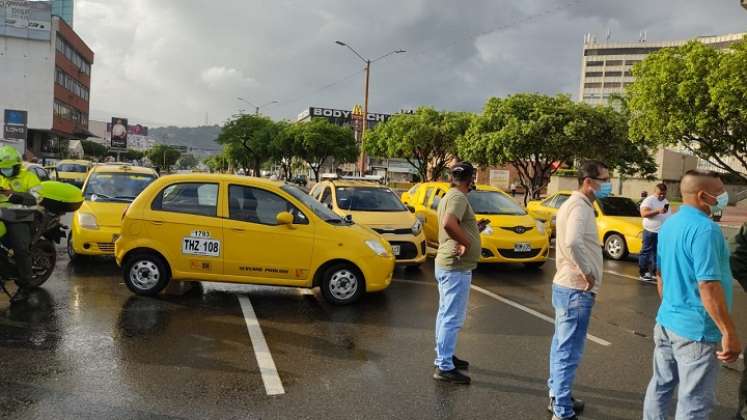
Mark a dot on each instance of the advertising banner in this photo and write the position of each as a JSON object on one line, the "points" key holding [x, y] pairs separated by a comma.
{"points": [[15, 129], [119, 133], [26, 19], [132, 130], [345, 118]]}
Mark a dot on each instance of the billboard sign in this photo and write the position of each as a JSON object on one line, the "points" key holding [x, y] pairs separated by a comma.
{"points": [[16, 128], [119, 133], [132, 130], [345, 118], [26, 19]]}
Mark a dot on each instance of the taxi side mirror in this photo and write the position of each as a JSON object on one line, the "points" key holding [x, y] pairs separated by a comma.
{"points": [[411, 208], [284, 218]]}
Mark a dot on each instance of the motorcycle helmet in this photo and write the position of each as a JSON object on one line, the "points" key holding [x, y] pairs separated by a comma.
{"points": [[10, 161]]}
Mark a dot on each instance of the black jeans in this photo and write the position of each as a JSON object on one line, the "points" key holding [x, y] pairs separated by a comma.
{"points": [[647, 258], [18, 239]]}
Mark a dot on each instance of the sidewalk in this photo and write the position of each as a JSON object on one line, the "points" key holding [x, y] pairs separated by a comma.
{"points": [[734, 217]]}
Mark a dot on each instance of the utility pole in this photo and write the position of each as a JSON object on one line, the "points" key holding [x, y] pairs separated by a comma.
{"points": [[365, 119]]}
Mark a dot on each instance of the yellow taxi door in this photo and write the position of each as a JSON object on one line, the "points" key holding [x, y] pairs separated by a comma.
{"points": [[258, 250], [428, 210], [184, 219]]}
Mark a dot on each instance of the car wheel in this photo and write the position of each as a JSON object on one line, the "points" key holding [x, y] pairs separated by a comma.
{"points": [[534, 265], [146, 274], [342, 284], [70, 250], [615, 247]]}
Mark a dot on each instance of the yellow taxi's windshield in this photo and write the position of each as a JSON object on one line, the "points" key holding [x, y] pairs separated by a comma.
{"points": [[491, 202], [72, 167], [368, 199], [116, 187]]}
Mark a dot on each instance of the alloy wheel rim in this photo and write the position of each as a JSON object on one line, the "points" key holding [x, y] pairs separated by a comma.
{"points": [[343, 284], [144, 275], [614, 247]]}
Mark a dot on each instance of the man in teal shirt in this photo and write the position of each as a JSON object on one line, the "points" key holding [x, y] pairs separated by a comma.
{"points": [[695, 285]]}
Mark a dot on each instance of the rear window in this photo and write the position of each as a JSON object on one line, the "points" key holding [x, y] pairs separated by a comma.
{"points": [[116, 186], [619, 206], [72, 167], [191, 198], [368, 199]]}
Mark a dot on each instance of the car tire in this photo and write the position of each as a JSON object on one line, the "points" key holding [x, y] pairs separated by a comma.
{"points": [[70, 250], [146, 274], [342, 284], [615, 247], [534, 265]]}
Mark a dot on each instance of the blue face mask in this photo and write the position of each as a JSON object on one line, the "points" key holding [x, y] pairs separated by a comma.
{"points": [[605, 189], [7, 172], [722, 200]]}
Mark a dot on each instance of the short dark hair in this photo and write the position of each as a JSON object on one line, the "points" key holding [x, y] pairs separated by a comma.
{"points": [[590, 169], [661, 186], [462, 171], [703, 173]]}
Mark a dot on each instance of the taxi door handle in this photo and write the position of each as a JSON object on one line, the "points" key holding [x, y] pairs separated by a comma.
{"points": [[238, 230], [156, 222]]}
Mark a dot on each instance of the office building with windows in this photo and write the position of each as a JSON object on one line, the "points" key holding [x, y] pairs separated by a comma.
{"points": [[64, 9], [606, 68], [45, 72]]}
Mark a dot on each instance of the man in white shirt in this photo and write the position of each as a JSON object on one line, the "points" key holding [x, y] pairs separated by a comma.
{"points": [[578, 261], [654, 210]]}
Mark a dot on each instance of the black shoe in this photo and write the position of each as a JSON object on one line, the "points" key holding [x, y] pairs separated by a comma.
{"points": [[453, 376], [459, 363], [21, 295], [578, 405]]}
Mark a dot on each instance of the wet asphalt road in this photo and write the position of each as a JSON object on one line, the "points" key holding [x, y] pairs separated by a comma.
{"points": [[84, 347]]}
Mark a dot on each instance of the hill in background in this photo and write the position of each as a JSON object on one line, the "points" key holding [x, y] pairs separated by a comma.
{"points": [[201, 138]]}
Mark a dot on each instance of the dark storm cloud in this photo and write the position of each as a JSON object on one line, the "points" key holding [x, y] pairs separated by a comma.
{"points": [[176, 61]]}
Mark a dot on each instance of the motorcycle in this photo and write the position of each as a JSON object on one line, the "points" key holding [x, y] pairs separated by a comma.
{"points": [[53, 199]]}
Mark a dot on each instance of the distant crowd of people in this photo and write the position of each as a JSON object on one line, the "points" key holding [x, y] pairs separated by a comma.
{"points": [[685, 253]]}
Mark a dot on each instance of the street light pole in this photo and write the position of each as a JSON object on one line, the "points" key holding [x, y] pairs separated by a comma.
{"points": [[365, 96]]}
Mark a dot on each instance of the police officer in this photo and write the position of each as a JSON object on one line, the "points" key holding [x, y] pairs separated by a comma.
{"points": [[16, 183]]}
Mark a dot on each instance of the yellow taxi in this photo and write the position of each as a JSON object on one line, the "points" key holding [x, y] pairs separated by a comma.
{"points": [[406, 196], [619, 221], [379, 208], [512, 235], [108, 191], [73, 171], [237, 229]]}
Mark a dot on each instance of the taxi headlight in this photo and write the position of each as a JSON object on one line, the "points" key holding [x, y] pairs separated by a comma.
{"points": [[377, 248], [487, 231], [540, 227], [87, 221], [417, 227]]}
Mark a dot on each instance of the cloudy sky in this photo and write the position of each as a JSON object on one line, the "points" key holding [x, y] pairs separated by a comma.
{"points": [[184, 61]]}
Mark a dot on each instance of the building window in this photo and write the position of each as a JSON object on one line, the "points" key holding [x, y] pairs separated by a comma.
{"points": [[632, 62], [613, 74], [628, 73], [594, 63], [593, 74], [613, 85], [614, 62], [620, 51], [592, 85], [69, 52]]}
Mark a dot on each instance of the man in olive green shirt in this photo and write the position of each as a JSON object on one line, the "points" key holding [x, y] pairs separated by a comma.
{"points": [[458, 254]]}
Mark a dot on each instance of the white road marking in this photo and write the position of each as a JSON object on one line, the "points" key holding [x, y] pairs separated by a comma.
{"points": [[516, 305], [270, 376], [614, 273]]}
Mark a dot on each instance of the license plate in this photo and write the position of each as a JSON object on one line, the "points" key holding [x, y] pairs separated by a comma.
{"points": [[395, 250], [522, 247], [201, 246]]}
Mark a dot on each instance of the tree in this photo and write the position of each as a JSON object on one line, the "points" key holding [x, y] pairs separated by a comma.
{"points": [[426, 139], [187, 161], [163, 155], [93, 149], [694, 97], [285, 147], [537, 134], [217, 163], [247, 140], [320, 141]]}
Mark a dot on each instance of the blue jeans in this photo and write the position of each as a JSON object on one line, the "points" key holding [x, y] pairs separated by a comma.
{"points": [[453, 291], [572, 315], [647, 257], [690, 364]]}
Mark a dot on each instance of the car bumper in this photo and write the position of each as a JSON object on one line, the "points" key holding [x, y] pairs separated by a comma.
{"points": [[496, 250], [378, 273], [634, 243], [95, 242], [413, 249]]}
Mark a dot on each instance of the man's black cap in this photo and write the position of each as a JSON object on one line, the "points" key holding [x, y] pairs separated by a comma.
{"points": [[463, 170]]}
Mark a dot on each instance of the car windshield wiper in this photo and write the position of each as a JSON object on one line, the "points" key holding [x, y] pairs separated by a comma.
{"points": [[106, 197]]}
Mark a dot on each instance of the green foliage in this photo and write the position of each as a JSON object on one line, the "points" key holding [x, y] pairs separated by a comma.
{"points": [[537, 134], [426, 139], [217, 163], [318, 141], [187, 161], [93, 149], [694, 97], [163, 156], [247, 141]]}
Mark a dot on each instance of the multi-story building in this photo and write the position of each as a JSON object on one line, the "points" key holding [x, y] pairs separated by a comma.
{"points": [[64, 9], [606, 67], [45, 71]]}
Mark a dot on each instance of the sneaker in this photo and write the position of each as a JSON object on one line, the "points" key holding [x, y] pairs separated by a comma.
{"points": [[554, 417], [453, 376], [647, 277], [459, 363], [578, 405]]}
